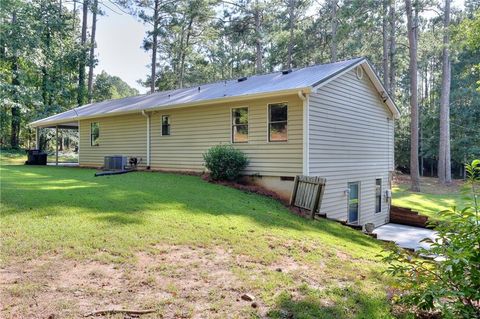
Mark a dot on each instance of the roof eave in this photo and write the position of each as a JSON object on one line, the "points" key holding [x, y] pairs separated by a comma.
{"points": [[307, 89]]}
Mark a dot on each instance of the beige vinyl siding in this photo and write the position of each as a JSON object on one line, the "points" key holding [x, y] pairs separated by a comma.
{"points": [[350, 140], [192, 131], [119, 135], [195, 129]]}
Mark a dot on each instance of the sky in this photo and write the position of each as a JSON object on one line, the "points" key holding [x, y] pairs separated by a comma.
{"points": [[119, 39]]}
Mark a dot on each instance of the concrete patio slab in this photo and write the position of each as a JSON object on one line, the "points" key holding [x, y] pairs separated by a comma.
{"points": [[405, 236], [63, 164]]}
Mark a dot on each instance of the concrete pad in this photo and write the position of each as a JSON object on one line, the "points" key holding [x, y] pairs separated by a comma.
{"points": [[63, 164], [405, 236]]}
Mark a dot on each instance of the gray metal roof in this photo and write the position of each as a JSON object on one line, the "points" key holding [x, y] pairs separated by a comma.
{"points": [[301, 78]]}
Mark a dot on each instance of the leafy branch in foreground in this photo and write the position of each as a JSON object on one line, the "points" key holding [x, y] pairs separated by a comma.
{"points": [[446, 277]]}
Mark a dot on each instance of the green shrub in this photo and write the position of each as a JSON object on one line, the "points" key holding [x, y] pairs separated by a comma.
{"points": [[225, 162], [449, 283]]}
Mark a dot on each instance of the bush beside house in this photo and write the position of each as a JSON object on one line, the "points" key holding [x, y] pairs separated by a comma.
{"points": [[225, 162]]}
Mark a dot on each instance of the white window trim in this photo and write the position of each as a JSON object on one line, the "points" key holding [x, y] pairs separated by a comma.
{"points": [[268, 121], [359, 201], [231, 123], [161, 124], [91, 141], [381, 194]]}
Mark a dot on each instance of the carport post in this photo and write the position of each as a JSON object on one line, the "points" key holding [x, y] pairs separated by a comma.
{"points": [[56, 145], [37, 138]]}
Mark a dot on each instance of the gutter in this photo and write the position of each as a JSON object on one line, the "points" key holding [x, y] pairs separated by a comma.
{"points": [[147, 115]]}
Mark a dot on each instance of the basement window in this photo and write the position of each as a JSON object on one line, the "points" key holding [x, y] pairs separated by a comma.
{"points": [[378, 195], [240, 125], [165, 125], [94, 134], [277, 122]]}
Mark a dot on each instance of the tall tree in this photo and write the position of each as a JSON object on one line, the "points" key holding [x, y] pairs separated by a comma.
{"points": [[83, 53], [257, 17], [91, 60], [155, 32], [385, 38], [15, 124], [334, 26], [414, 113], [107, 87], [444, 166], [291, 28], [392, 47]]}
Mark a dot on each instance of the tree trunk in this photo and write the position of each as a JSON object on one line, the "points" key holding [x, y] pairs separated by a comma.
{"points": [[81, 66], [444, 166], [414, 114], [92, 51], [60, 141], [386, 73], [333, 45], [393, 48], [74, 13], [153, 74], [258, 39], [15, 120], [183, 53], [291, 21]]}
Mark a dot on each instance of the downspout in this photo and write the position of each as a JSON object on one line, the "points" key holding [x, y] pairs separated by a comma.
{"points": [[148, 137], [306, 132]]}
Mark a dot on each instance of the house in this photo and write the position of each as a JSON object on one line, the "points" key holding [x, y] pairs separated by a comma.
{"points": [[332, 120]]}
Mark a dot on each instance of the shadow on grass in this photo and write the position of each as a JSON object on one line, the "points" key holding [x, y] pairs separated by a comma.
{"points": [[124, 199], [334, 303]]}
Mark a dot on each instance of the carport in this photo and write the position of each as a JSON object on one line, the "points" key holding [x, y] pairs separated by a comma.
{"points": [[65, 126]]}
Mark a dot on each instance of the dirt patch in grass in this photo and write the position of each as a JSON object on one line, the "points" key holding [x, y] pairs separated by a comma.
{"points": [[176, 281]]}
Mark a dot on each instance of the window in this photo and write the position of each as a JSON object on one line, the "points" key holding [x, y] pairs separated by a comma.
{"points": [[165, 125], [240, 125], [378, 195], [94, 133], [277, 122]]}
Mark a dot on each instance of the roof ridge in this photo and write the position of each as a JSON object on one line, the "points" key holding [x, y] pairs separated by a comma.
{"points": [[302, 77]]}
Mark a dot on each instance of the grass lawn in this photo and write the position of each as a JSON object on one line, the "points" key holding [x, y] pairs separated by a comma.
{"points": [[19, 157], [73, 243], [432, 199]]}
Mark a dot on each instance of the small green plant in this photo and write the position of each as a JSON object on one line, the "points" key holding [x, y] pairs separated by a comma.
{"points": [[225, 162], [449, 281]]}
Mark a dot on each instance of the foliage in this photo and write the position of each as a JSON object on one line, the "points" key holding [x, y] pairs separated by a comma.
{"points": [[39, 62], [225, 162], [450, 282], [107, 87]]}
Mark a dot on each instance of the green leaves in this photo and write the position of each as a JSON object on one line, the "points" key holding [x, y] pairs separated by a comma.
{"points": [[450, 282], [225, 162]]}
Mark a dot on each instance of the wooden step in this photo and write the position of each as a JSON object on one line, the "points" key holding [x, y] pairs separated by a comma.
{"points": [[405, 216]]}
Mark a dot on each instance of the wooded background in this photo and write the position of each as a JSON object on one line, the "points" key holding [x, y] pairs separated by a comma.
{"points": [[427, 53]]}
